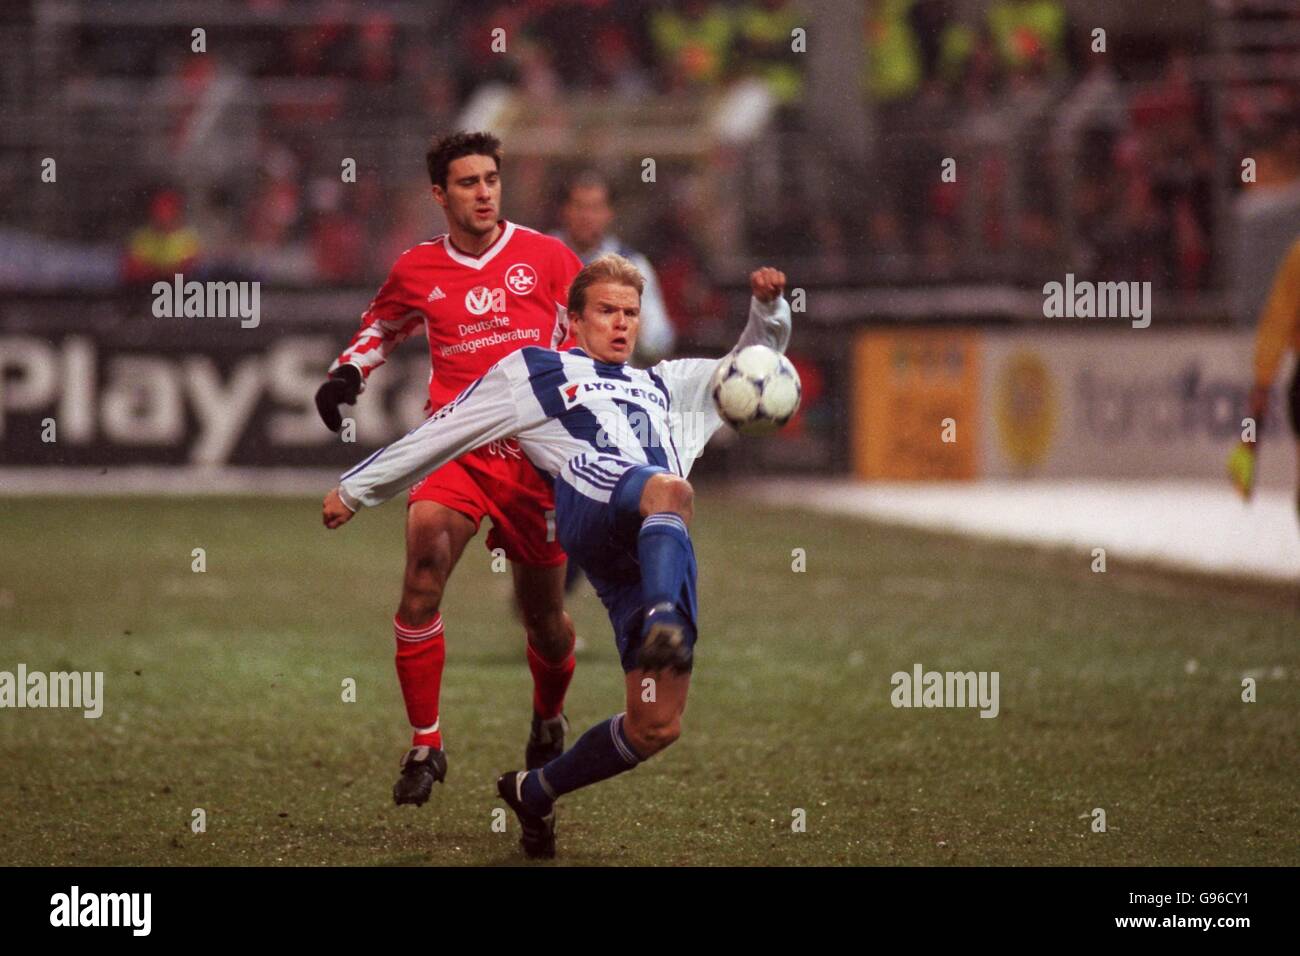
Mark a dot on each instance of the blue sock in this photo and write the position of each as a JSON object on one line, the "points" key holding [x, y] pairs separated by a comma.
{"points": [[602, 752], [664, 549]]}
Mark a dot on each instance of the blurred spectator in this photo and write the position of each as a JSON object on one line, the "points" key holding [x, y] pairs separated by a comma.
{"points": [[275, 209], [478, 63], [614, 63], [338, 236], [764, 31], [163, 247], [410, 220], [376, 56], [320, 47], [274, 220], [968, 68], [688, 291], [1122, 174], [1278, 159], [693, 42], [893, 67], [586, 214], [594, 44], [208, 132], [1029, 34]]}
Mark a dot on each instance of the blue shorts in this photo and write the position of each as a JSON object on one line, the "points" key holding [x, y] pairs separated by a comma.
{"points": [[601, 536]]}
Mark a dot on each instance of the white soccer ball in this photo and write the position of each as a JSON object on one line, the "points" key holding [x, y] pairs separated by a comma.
{"points": [[756, 390]]}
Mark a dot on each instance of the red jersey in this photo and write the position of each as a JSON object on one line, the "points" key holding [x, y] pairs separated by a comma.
{"points": [[474, 309]]}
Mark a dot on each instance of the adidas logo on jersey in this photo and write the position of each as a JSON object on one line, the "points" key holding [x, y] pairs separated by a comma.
{"points": [[437, 293]]}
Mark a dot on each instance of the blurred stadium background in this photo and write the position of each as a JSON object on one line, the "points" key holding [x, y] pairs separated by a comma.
{"points": [[923, 302], [1123, 165]]}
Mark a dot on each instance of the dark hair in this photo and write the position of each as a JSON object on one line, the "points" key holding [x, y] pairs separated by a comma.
{"points": [[585, 179], [444, 151]]}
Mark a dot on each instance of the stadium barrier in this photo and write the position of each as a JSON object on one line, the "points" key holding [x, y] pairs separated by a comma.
{"points": [[94, 383], [98, 382], [1057, 403]]}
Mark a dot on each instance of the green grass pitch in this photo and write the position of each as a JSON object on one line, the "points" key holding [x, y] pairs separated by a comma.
{"points": [[223, 691]]}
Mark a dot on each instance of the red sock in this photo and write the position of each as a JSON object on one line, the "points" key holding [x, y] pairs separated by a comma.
{"points": [[420, 655], [550, 679]]}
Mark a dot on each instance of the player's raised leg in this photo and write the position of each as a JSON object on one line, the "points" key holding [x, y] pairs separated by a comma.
{"points": [[667, 560], [656, 701], [435, 539], [549, 635], [656, 646]]}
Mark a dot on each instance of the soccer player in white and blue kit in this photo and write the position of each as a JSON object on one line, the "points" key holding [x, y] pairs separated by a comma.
{"points": [[618, 443]]}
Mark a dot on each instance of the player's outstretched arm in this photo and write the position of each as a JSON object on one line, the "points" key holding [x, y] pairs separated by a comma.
{"points": [[688, 380], [334, 512], [769, 313], [483, 412], [768, 324]]}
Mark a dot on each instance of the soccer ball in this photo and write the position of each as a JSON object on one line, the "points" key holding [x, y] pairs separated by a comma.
{"points": [[756, 390]]}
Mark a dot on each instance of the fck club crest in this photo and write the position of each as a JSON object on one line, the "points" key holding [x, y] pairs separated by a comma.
{"points": [[521, 279]]}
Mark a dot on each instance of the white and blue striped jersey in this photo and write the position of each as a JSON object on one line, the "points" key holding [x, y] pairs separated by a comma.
{"points": [[576, 418]]}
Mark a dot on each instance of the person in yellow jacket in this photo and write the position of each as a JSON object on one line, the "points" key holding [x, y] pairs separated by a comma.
{"points": [[893, 70], [765, 33], [165, 246], [693, 41], [1278, 332], [1028, 32]]}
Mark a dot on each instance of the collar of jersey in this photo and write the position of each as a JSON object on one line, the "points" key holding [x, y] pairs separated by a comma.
{"points": [[487, 255], [576, 350]]}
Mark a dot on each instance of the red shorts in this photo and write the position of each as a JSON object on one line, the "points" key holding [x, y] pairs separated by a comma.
{"points": [[498, 481]]}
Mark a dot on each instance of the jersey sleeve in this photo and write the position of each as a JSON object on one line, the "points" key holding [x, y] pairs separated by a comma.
{"points": [[565, 266], [769, 324], [485, 411], [693, 416], [1279, 323], [387, 323]]}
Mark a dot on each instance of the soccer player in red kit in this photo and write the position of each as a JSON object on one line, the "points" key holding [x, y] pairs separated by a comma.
{"points": [[483, 290]]}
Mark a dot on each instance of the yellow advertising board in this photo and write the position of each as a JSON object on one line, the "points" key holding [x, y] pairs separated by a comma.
{"points": [[916, 404]]}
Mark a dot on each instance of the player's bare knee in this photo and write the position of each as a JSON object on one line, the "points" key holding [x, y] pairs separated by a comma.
{"points": [[550, 633], [669, 493], [539, 600], [421, 591], [648, 736], [682, 496]]}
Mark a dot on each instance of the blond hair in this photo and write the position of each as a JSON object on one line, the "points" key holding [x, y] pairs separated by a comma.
{"points": [[610, 268]]}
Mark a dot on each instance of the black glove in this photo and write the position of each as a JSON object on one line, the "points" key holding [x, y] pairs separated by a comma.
{"points": [[342, 388]]}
